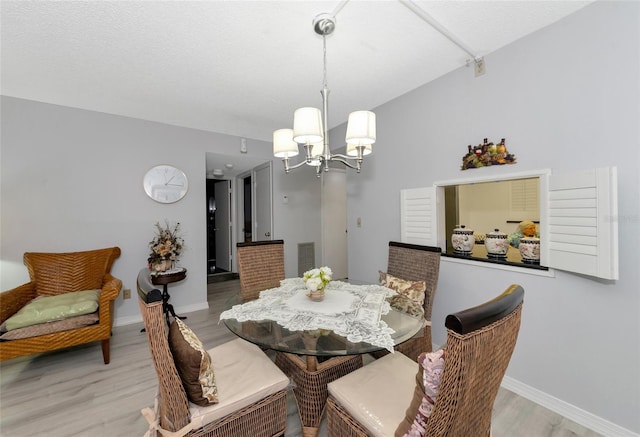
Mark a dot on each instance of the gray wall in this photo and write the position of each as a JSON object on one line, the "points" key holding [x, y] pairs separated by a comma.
{"points": [[72, 180], [566, 98]]}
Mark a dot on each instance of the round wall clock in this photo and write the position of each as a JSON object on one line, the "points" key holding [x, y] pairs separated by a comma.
{"points": [[165, 184]]}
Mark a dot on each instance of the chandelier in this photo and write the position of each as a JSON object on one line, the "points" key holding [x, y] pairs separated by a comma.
{"points": [[310, 127]]}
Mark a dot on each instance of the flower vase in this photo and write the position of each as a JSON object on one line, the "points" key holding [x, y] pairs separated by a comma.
{"points": [[161, 265], [316, 295]]}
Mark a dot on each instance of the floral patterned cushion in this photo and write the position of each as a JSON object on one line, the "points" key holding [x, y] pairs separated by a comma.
{"points": [[413, 290], [193, 364], [430, 368]]}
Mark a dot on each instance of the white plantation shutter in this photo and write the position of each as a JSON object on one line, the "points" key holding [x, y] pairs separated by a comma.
{"points": [[582, 228], [418, 216]]}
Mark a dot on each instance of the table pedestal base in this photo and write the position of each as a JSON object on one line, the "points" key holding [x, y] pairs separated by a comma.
{"points": [[311, 379]]}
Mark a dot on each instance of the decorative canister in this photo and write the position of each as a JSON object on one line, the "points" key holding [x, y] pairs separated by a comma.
{"points": [[497, 244], [462, 240], [530, 249]]}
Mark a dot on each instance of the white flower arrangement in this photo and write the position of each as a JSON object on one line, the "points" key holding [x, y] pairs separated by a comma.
{"points": [[317, 279]]}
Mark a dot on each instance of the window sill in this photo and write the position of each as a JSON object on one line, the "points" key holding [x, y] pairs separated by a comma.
{"points": [[512, 263]]}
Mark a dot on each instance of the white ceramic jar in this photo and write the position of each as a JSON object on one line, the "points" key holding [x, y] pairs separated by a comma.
{"points": [[496, 244], [530, 249], [462, 240]]}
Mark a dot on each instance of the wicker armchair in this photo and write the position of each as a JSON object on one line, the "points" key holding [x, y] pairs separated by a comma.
{"points": [[480, 342], [58, 273], [251, 389], [415, 263], [260, 267]]}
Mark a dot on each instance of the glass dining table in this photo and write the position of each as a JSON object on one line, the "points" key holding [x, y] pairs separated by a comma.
{"points": [[318, 342]]}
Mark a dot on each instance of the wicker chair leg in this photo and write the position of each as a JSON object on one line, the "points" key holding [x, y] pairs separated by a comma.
{"points": [[105, 351]]}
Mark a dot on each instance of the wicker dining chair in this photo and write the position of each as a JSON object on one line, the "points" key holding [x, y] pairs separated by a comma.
{"points": [[414, 262], [383, 397], [251, 389], [260, 267]]}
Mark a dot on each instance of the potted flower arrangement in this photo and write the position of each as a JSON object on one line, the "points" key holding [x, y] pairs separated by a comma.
{"points": [[166, 247], [316, 280]]}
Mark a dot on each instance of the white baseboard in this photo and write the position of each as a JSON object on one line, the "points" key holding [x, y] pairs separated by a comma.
{"points": [[130, 320], [567, 410]]}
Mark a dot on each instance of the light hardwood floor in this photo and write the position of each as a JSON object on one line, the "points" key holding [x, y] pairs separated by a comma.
{"points": [[72, 393]]}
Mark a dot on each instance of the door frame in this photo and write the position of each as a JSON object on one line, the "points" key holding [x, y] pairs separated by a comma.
{"points": [[237, 201]]}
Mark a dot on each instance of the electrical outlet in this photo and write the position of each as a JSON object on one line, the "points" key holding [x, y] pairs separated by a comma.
{"points": [[126, 293]]}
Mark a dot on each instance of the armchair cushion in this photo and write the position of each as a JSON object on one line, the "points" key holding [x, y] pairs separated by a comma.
{"points": [[430, 368], [193, 363], [51, 327], [44, 309]]}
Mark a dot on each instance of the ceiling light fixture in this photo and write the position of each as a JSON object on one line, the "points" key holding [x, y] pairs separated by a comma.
{"points": [[310, 125]]}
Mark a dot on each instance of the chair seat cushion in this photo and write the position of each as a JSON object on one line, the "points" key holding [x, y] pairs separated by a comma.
{"points": [[244, 375], [49, 308], [378, 394]]}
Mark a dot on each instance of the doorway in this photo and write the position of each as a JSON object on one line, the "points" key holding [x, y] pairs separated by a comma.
{"points": [[238, 199], [218, 226]]}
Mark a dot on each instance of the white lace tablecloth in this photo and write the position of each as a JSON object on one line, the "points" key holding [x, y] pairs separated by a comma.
{"points": [[352, 311]]}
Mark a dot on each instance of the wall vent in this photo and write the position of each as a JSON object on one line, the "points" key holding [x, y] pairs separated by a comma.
{"points": [[306, 257]]}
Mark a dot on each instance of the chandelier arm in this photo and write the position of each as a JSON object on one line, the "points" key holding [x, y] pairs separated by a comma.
{"points": [[288, 167], [346, 160]]}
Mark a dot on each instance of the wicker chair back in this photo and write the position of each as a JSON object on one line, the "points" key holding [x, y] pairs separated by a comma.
{"points": [[260, 267], [57, 273], [173, 405], [416, 263], [480, 342]]}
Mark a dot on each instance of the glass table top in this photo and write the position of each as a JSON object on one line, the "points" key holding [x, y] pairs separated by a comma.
{"points": [[318, 342]]}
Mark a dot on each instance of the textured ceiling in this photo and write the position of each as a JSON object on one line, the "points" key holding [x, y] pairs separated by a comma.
{"points": [[243, 67]]}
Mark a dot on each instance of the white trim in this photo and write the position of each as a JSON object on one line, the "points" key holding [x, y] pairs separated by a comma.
{"points": [[567, 410], [495, 266], [493, 177]]}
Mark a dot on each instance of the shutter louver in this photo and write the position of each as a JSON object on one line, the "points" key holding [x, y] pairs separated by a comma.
{"points": [[582, 232], [418, 216]]}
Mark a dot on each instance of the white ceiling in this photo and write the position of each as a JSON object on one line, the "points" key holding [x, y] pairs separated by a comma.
{"points": [[243, 67]]}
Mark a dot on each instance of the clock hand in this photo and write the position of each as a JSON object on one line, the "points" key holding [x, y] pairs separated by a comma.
{"points": [[167, 183], [175, 185]]}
